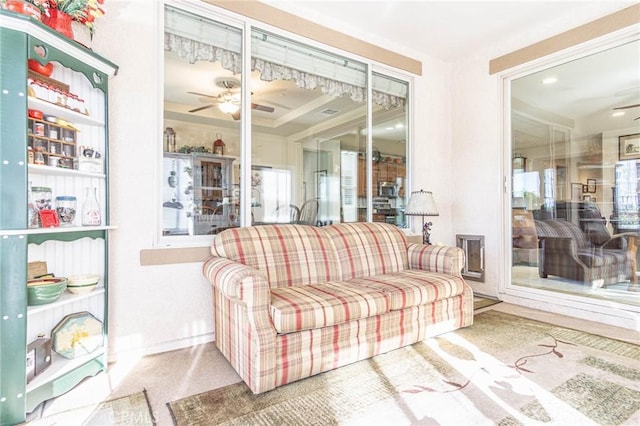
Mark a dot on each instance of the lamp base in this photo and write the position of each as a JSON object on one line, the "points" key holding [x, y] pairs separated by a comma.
{"points": [[426, 236]]}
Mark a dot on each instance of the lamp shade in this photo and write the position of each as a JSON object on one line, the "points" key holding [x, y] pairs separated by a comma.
{"points": [[421, 203]]}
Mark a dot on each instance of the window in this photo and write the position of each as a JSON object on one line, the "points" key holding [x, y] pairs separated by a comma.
{"points": [[327, 140]]}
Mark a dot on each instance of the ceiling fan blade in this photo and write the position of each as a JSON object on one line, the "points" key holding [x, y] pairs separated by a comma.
{"points": [[628, 106], [201, 108], [262, 108], [202, 94]]}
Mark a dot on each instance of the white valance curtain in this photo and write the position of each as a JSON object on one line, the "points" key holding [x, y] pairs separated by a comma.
{"points": [[194, 39], [194, 51]]}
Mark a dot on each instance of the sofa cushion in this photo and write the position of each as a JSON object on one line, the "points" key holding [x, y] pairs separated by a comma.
{"points": [[412, 287], [322, 305], [287, 254], [368, 249]]}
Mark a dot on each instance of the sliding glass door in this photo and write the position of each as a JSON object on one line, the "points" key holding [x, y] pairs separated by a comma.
{"points": [[575, 178]]}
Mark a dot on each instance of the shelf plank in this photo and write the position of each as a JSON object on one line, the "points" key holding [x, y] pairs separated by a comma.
{"points": [[61, 234], [47, 232], [59, 171], [65, 113], [63, 375], [65, 299]]}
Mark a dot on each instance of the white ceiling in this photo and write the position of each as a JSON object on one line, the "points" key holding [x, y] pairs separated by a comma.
{"points": [[449, 30], [586, 91]]}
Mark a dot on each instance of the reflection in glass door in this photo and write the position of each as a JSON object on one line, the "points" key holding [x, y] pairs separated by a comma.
{"points": [[321, 103], [200, 173], [574, 200], [389, 145], [287, 139]]}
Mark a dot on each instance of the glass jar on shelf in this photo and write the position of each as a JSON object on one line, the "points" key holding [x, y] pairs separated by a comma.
{"points": [[73, 102], [52, 96], [66, 209], [41, 197], [91, 208], [38, 156]]}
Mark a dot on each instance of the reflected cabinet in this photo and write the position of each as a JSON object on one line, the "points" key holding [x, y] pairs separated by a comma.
{"points": [[197, 194]]}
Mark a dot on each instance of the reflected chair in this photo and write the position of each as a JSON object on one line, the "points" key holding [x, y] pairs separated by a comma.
{"points": [[308, 213], [205, 221], [291, 212], [587, 216], [214, 220], [566, 252]]}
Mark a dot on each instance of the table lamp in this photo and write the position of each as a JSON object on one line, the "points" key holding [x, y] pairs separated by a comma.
{"points": [[421, 203]]}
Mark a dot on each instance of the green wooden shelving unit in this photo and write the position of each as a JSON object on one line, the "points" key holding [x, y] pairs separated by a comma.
{"points": [[23, 38]]}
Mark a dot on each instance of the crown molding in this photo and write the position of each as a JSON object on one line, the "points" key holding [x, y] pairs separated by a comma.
{"points": [[587, 32]]}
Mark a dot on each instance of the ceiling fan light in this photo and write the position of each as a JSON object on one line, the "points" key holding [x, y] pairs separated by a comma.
{"points": [[228, 107]]}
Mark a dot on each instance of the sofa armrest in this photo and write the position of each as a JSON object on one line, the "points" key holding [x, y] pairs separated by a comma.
{"points": [[244, 331], [237, 282], [621, 241], [444, 259], [562, 251]]}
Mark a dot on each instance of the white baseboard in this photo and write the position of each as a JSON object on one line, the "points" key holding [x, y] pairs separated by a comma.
{"points": [[172, 345], [610, 316]]}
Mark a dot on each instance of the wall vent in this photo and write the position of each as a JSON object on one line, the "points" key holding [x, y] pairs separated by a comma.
{"points": [[329, 111]]}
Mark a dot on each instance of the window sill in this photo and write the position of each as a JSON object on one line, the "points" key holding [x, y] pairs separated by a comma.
{"points": [[169, 256]]}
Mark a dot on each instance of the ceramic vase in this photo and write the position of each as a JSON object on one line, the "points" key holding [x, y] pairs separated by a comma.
{"points": [[59, 21]]}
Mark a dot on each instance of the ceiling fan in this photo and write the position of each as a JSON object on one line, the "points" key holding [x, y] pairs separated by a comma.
{"points": [[627, 107], [227, 101]]}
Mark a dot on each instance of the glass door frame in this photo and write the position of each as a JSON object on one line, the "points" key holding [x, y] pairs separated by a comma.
{"points": [[604, 311]]}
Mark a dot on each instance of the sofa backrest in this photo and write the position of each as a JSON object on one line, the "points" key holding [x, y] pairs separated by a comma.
{"points": [[559, 228], [587, 215], [293, 255], [289, 255], [365, 249]]}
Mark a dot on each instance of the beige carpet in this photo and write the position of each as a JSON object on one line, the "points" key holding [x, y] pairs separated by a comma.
{"points": [[504, 370], [483, 302], [131, 410]]}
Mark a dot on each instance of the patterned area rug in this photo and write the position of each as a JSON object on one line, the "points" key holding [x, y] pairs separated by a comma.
{"points": [[126, 411], [504, 370]]}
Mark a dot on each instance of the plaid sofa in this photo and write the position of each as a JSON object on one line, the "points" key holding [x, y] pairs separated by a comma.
{"points": [[291, 301], [566, 252]]}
